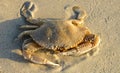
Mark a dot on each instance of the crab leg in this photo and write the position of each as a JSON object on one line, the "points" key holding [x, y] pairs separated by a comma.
{"points": [[80, 13], [24, 33], [78, 16], [27, 10], [29, 27], [29, 50]]}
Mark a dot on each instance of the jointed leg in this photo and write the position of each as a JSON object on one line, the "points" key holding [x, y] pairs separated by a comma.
{"points": [[79, 13], [24, 33], [27, 11], [29, 27], [76, 14]]}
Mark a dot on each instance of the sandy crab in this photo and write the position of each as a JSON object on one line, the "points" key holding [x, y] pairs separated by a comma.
{"points": [[64, 37]]}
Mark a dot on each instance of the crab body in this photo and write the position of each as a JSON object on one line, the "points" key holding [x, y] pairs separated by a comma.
{"points": [[64, 37], [59, 34]]}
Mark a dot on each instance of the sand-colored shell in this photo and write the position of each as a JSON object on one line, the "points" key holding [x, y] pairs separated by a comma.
{"points": [[55, 36], [59, 34]]}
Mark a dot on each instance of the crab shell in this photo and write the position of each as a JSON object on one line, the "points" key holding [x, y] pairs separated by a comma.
{"points": [[59, 34]]}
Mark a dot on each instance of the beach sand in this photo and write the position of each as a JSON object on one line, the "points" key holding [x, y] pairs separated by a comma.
{"points": [[103, 19]]}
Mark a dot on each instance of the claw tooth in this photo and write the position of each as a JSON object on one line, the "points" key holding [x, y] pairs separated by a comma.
{"points": [[51, 63]]}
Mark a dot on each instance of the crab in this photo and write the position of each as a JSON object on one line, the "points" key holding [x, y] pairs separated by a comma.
{"points": [[68, 37]]}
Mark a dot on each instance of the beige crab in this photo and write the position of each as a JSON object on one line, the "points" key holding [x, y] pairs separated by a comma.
{"points": [[63, 37]]}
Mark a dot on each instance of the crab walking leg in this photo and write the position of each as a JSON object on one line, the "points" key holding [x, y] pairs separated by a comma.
{"points": [[29, 50], [27, 9], [27, 5], [37, 21], [24, 33], [81, 14], [29, 26]]}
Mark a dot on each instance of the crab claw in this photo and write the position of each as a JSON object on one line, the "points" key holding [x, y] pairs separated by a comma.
{"points": [[29, 49], [37, 59]]}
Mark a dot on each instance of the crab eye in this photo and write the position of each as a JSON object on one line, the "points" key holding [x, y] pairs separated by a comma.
{"points": [[74, 22]]}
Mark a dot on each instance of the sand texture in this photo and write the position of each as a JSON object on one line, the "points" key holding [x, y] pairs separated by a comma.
{"points": [[103, 19]]}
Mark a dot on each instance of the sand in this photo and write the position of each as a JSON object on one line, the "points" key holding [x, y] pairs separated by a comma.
{"points": [[103, 19]]}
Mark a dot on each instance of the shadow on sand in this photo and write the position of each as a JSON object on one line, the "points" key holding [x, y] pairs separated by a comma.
{"points": [[8, 32]]}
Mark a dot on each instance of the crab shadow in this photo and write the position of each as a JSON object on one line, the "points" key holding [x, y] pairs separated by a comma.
{"points": [[8, 32]]}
